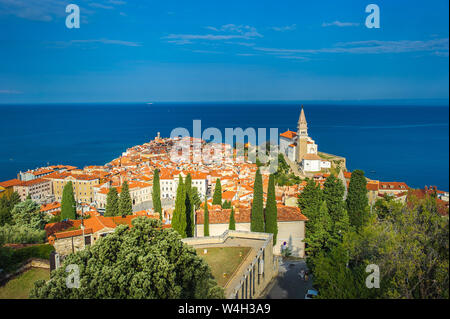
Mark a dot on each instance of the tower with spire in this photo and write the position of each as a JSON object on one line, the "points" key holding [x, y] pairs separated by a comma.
{"points": [[302, 136]]}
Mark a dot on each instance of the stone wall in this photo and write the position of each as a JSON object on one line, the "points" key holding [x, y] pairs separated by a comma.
{"points": [[252, 276], [293, 233], [30, 263], [66, 246]]}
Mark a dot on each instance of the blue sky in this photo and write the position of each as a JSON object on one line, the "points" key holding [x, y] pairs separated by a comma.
{"points": [[129, 50]]}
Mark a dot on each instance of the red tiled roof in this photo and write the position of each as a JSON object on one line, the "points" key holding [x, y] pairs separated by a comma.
{"points": [[50, 206], [222, 216], [393, 185], [289, 134], [10, 183]]}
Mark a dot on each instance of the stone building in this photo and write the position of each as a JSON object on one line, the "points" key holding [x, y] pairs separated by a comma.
{"points": [[140, 192], [39, 189], [301, 148], [291, 226], [257, 269]]}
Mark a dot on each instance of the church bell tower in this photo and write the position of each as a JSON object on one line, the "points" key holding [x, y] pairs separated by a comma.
{"points": [[302, 136]]}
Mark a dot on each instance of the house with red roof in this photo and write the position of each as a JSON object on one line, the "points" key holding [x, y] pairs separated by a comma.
{"points": [[74, 235]]}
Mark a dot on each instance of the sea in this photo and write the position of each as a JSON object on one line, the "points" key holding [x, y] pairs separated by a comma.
{"points": [[389, 142]]}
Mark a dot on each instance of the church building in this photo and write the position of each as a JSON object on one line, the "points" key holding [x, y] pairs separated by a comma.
{"points": [[300, 148]]}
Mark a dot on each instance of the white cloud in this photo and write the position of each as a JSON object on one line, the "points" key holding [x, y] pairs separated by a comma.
{"points": [[118, 2], [340, 24], [372, 47], [285, 28], [63, 44], [107, 41], [101, 6], [36, 10], [10, 92], [48, 10], [225, 32], [212, 37]]}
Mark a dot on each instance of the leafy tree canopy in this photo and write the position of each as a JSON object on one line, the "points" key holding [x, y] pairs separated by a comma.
{"points": [[142, 262]]}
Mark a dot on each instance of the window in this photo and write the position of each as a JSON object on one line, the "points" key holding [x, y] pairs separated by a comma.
{"points": [[87, 240]]}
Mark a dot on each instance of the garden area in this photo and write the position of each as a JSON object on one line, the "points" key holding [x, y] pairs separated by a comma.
{"points": [[20, 286], [223, 261]]}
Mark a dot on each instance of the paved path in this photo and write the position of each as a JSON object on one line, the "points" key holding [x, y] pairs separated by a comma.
{"points": [[288, 285]]}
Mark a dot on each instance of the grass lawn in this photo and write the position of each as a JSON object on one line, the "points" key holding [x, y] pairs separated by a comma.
{"points": [[224, 260], [20, 286]]}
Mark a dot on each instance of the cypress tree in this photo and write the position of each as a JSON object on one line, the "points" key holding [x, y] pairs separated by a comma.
{"points": [[232, 224], [125, 203], [68, 204], [317, 237], [271, 210], [179, 214], [333, 195], [357, 201], [156, 194], [189, 207], [205, 220], [257, 216], [310, 200], [112, 203], [217, 197], [14, 199]]}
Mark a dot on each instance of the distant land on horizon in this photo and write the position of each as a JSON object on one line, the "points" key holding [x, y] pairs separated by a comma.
{"points": [[356, 102]]}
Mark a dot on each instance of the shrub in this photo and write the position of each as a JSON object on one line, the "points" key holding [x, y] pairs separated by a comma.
{"points": [[17, 234], [11, 259]]}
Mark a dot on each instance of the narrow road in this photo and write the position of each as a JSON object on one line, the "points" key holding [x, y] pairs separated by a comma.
{"points": [[288, 285]]}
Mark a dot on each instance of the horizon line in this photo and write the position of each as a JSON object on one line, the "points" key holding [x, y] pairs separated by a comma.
{"points": [[439, 101]]}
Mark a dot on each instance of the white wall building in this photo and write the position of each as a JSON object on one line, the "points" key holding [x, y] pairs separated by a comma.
{"points": [[291, 226]]}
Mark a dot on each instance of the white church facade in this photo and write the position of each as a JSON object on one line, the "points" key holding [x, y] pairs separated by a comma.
{"points": [[301, 148]]}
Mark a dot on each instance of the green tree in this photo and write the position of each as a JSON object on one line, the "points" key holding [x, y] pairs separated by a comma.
{"points": [[179, 213], [318, 234], [190, 223], [410, 247], [232, 223], [257, 214], [310, 200], [142, 262], [196, 201], [156, 194], [112, 203], [28, 214], [271, 210], [333, 194], [226, 204], [68, 204], [217, 197], [125, 203], [14, 199], [205, 220], [357, 201], [5, 211]]}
